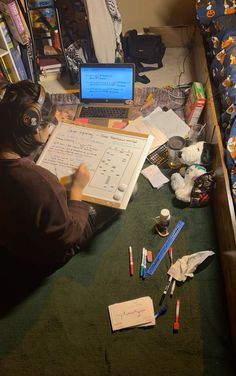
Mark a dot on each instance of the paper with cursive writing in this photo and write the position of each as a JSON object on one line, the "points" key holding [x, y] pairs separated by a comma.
{"points": [[132, 313]]}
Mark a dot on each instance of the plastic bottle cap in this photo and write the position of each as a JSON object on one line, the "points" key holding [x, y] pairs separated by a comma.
{"points": [[176, 143], [165, 215]]}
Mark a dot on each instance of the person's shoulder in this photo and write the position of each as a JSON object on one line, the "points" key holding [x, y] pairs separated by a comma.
{"points": [[39, 178], [35, 170]]}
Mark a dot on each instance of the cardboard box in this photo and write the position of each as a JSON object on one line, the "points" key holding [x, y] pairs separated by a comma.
{"points": [[194, 104]]}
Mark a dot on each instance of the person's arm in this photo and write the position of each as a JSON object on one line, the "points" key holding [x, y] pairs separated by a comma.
{"points": [[79, 181], [60, 223]]}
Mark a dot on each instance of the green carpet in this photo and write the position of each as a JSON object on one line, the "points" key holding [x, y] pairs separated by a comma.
{"points": [[62, 327]]}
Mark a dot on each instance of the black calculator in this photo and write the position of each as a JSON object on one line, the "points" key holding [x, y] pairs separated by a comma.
{"points": [[159, 156]]}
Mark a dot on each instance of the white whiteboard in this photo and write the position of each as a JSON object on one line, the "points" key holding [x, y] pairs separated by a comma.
{"points": [[113, 157]]}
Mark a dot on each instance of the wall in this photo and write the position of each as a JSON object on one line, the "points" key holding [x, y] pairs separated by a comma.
{"points": [[137, 14]]}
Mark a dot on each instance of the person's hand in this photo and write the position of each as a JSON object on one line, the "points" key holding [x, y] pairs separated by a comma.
{"points": [[80, 179]]}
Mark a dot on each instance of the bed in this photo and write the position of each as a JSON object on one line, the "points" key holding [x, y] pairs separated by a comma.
{"points": [[215, 46]]}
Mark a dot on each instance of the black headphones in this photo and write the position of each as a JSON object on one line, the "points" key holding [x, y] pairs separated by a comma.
{"points": [[31, 115]]}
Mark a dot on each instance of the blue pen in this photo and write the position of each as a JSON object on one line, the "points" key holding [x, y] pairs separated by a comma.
{"points": [[161, 311]]}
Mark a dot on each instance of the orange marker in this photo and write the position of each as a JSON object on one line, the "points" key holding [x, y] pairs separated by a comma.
{"points": [[176, 322]]}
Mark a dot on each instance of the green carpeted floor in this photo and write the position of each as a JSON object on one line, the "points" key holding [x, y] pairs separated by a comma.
{"points": [[62, 327]]}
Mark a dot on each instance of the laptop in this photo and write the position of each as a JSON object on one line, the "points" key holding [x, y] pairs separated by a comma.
{"points": [[106, 90]]}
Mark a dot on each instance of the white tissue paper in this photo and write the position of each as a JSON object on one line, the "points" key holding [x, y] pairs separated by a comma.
{"points": [[185, 266]]}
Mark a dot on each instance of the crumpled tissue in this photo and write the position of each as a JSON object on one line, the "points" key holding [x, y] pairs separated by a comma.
{"points": [[185, 266]]}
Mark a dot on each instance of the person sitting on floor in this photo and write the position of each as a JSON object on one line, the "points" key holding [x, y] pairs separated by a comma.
{"points": [[40, 223]]}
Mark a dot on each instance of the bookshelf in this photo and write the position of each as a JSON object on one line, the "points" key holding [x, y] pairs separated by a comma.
{"points": [[48, 49], [7, 63], [15, 42]]}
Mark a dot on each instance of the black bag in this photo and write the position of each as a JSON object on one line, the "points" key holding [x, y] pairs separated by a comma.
{"points": [[143, 48]]}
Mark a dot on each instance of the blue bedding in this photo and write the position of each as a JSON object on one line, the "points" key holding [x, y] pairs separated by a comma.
{"points": [[217, 20], [208, 11]]}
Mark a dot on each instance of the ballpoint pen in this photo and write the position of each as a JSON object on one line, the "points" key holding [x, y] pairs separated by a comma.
{"points": [[161, 311], [172, 288], [165, 290], [131, 263]]}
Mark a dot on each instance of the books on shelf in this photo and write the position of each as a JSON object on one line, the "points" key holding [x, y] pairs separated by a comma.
{"points": [[28, 60], [5, 66], [2, 75], [15, 20], [49, 64], [13, 51]]}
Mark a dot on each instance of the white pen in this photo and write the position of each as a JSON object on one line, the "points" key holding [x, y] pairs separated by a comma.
{"points": [[144, 263], [173, 287]]}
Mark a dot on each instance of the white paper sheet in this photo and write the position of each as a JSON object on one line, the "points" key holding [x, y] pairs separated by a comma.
{"points": [[167, 122], [138, 125], [155, 176]]}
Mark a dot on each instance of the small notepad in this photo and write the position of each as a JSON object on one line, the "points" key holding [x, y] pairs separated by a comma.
{"points": [[132, 313]]}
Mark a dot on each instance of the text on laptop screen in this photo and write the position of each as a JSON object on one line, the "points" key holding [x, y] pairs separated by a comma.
{"points": [[106, 83]]}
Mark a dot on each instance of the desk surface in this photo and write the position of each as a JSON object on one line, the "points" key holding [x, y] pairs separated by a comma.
{"points": [[169, 98]]}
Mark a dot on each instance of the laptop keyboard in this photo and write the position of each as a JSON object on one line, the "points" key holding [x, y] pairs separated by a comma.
{"points": [[104, 112]]}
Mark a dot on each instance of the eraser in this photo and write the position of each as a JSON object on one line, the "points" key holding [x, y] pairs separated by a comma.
{"points": [[149, 255]]}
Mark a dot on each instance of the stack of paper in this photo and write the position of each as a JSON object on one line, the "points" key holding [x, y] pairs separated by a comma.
{"points": [[139, 126], [167, 122], [132, 313], [155, 176], [162, 125]]}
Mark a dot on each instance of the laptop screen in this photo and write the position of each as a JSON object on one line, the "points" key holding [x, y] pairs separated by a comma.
{"points": [[106, 83]]}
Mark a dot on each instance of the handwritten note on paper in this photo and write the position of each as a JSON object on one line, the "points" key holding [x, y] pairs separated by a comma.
{"points": [[132, 313]]}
